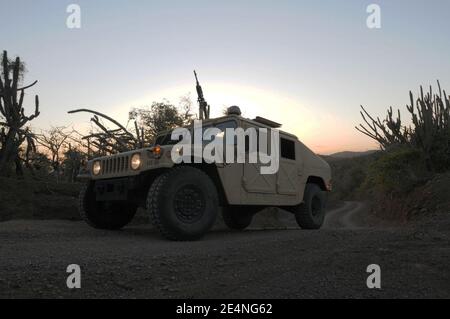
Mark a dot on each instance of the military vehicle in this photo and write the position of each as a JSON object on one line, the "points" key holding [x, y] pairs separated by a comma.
{"points": [[183, 199]]}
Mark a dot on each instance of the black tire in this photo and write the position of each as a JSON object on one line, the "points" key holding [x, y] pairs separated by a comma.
{"points": [[311, 213], [238, 217], [104, 215], [183, 203]]}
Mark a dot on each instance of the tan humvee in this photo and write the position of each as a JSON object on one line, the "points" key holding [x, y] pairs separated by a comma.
{"points": [[183, 199]]}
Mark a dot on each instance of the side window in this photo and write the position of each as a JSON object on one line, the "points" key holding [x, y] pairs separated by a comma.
{"points": [[287, 149]]}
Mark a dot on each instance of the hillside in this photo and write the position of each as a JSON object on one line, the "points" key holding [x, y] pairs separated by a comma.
{"points": [[348, 174], [350, 154]]}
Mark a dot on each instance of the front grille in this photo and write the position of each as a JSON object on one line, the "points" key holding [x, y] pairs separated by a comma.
{"points": [[115, 165]]}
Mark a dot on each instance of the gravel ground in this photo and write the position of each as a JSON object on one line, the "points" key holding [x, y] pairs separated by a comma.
{"points": [[288, 263]]}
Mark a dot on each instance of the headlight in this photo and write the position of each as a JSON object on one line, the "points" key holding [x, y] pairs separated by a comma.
{"points": [[135, 161], [96, 168]]}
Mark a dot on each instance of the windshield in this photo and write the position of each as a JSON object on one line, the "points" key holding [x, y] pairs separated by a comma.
{"points": [[166, 139]]}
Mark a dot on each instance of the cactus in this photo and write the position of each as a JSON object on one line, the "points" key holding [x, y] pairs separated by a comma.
{"points": [[13, 130], [429, 131]]}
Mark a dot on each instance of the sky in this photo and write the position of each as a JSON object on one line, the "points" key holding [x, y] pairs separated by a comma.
{"points": [[306, 64]]}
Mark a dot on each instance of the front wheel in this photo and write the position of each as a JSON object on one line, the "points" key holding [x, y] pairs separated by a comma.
{"points": [[183, 203], [104, 215], [311, 213]]}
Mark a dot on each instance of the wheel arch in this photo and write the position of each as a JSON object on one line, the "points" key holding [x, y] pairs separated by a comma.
{"points": [[148, 177], [213, 174], [319, 181]]}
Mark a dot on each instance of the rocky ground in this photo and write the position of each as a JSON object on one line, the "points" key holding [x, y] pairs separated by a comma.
{"points": [[285, 262]]}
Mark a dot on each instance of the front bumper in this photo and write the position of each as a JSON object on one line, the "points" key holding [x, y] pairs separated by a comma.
{"points": [[117, 189]]}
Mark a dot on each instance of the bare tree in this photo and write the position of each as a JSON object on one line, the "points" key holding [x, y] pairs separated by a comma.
{"points": [[54, 141], [74, 157], [147, 122], [109, 141]]}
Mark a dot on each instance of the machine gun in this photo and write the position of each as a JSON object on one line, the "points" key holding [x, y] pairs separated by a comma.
{"points": [[202, 104]]}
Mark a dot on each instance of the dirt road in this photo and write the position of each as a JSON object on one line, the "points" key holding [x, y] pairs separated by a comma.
{"points": [[289, 263], [347, 216]]}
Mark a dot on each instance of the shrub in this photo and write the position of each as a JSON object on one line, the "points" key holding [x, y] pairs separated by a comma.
{"points": [[397, 171]]}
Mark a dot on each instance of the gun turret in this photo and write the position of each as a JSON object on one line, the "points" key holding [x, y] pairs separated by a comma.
{"points": [[202, 104]]}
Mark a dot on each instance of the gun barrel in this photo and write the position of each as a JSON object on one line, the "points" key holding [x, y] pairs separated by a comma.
{"points": [[203, 105], [196, 79]]}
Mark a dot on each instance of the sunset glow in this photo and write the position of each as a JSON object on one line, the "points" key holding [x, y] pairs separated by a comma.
{"points": [[324, 131]]}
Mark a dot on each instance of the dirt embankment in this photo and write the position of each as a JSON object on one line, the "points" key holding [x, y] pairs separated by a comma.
{"points": [[426, 202], [28, 199]]}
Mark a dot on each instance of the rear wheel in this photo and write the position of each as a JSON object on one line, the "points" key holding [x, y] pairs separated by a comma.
{"points": [[238, 217], [183, 203], [112, 215], [311, 213]]}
